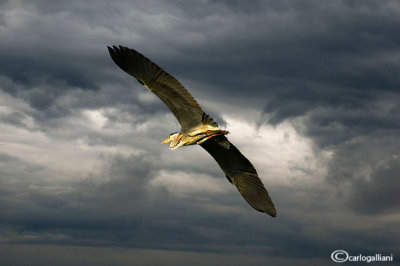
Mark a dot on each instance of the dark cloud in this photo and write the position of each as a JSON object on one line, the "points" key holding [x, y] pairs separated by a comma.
{"points": [[15, 118], [67, 255], [378, 194], [368, 164], [83, 166], [118, 207]]}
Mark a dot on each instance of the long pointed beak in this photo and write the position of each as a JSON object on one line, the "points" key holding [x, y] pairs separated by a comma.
{"points": [[166, 141]]}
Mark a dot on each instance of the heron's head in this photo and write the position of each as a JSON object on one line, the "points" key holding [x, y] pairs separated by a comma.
{"points": [[175, 140]]}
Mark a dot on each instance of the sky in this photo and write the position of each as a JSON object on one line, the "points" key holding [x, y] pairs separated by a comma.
{"points": [[309, 91]]}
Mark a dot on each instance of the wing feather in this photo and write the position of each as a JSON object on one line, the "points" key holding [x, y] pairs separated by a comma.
{"points": [[242, 173], [166, 87]]}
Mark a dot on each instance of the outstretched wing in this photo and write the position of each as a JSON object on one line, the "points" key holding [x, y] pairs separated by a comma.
{"points": [[241, 173], [166, 87]]}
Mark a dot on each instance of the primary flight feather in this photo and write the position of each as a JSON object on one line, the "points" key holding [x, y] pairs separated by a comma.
{"points": [[196, 126]]}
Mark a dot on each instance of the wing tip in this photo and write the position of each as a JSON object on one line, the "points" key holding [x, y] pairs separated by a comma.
{"points": [[269, 209], [110, 50], [123, 57], [121, 49], [271, 212], [114, 49]]}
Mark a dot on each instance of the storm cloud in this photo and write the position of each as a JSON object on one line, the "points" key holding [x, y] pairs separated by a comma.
{"points": [[309, 91]]}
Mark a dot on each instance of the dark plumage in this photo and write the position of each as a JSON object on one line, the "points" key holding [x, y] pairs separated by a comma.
{"points": [[196, 126], [240, 172]]}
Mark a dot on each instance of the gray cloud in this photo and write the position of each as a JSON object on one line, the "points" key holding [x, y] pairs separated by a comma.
{"points": [[67, 255], [369, 165], [118, 207], [378, 194]]}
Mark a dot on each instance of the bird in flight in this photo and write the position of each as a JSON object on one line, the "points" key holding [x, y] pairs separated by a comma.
{"points": [[196, 126]]}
